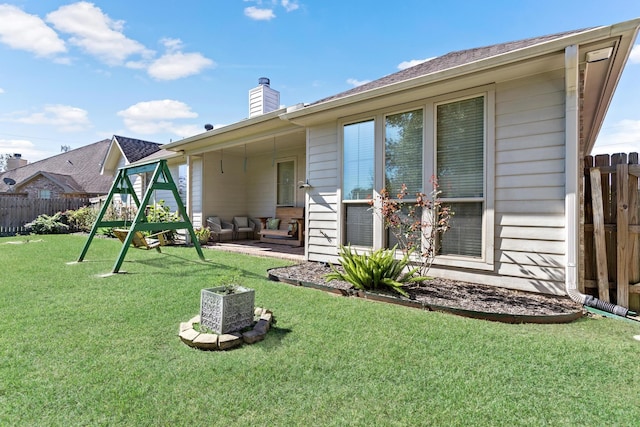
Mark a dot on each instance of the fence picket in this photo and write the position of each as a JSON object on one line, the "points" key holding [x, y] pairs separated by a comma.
{"points": [[16, 211], [621, 211]]}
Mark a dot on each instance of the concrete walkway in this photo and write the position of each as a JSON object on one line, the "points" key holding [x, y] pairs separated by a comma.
{"points": [[258, 248]]}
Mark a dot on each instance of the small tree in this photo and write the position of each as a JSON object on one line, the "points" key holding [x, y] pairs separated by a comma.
{"points": [[417, 226]]}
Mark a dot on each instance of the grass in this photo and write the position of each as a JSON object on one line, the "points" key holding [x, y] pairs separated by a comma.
{"points": [[78, 349]]}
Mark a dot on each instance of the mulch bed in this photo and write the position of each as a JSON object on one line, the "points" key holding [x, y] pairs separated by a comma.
{"points": [[452, 294]]}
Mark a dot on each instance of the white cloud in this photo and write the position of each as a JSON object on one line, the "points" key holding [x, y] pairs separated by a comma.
{"points": [[24, 147], [1, 90], [408, 64], [175, 64], [258, 14], [158, 116], [20, 30], [64, 117], [96, 33], [290, 6], [622, 137], [355, 82], [635, 54]]}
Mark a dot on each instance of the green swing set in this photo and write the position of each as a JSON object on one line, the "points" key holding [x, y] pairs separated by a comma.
{"points": [[161, 180]]}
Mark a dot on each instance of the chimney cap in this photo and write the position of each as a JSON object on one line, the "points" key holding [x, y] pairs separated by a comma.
{"points": [[264, 81]]}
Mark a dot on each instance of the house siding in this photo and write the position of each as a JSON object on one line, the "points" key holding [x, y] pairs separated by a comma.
{"points": [[195, 183], [323, 198], [530, 158], [529, 226], [253, 187]]}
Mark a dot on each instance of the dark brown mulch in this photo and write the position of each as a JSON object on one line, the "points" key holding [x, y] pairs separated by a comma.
{"points": [[451, 293]]}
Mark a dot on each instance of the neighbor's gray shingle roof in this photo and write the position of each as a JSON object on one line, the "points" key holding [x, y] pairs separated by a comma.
{"points": [[136, 149], [81, 165], [449, 60]]}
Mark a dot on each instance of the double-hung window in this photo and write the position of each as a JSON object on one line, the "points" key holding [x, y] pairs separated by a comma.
{"points": [[460, 144], [403, 149], [358, 179]]}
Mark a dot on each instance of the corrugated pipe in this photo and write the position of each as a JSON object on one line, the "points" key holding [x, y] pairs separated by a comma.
{"points": [[590, 301]]}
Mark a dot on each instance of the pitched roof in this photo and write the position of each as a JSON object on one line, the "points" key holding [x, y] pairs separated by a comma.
{"points": [[449, 60], [66, 182], [135, 149], [78, 169]]}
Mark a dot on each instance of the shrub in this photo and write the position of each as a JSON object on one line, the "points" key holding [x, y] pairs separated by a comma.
{"points": [[45, 224], [82, 219], [417, 225], [379, 270], [158, 212]]}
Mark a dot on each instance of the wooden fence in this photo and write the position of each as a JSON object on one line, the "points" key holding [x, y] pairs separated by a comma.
{"points": [[16, 211], [612, 228]]}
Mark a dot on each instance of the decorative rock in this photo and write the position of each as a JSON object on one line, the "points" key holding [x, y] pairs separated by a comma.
{"points": [[253, 336], [206, 341], [262, 326], [227, 341], [187, 336], [267, 315]]}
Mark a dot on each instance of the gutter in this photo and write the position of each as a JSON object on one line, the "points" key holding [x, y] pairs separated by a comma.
{"points": [[536, 50], [572, 199]]}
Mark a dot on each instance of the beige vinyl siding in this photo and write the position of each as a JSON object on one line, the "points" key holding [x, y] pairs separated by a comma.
{"points": [[195, 183], [223, 188], [323, 199], [167, 195], [529, 223], [238, 191]]}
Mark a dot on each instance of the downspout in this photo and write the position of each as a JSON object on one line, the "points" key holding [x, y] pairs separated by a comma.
{"points": [[572, 199]]}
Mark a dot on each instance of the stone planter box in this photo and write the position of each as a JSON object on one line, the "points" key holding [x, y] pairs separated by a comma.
{"points": [[226, 312]]}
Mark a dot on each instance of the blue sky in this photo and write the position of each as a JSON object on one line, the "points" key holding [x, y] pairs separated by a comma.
{"points": [[73, 73]]}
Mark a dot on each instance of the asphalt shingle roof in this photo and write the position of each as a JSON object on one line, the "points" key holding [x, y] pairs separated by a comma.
{"points": [[136, 149], [78, 169], [449, 60]]}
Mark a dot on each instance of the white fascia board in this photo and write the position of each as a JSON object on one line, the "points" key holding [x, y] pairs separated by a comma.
{"points": [[537, 50], [225, 132]]}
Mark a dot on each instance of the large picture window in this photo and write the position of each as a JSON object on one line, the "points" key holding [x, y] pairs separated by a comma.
{"points": [[358, 179], [450, 138], [460, 144]]}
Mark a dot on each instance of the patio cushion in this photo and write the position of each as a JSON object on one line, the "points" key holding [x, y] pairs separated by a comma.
{"points": [[293, 228], [273, 223], [241, 221]]}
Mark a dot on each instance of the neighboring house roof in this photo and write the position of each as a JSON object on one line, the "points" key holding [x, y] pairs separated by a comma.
{"points": [[135, 149], [130, 149], [450, 60], [77, 169], [65, 182]]}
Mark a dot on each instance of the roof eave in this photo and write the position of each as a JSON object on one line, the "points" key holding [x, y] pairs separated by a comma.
{"points": [[226, 131], [522, 54]]}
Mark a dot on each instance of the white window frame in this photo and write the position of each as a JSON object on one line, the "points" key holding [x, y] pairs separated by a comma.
{"points": [[295, 178], [486, 260]]}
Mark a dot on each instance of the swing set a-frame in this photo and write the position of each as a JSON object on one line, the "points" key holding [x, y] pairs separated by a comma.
{"points": [[161, 180]]}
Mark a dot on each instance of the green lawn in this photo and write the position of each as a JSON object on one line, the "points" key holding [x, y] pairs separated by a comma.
{"points": [[78, 349]]}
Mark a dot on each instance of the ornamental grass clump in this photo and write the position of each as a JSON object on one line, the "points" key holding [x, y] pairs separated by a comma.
{"points": [[378, 270]]}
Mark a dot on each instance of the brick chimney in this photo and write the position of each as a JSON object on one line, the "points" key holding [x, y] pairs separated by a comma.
{"points": [[263, 99], [15, 161]]}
